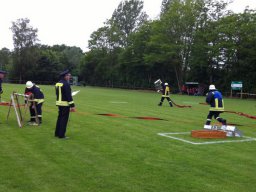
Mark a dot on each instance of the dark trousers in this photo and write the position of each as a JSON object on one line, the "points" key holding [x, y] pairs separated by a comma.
{"points": [[162, 100], [33, 112], [216, 115], [62, 121]]}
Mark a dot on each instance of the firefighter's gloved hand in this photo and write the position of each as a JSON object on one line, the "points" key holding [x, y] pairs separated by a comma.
{"points": [[73, 109]]}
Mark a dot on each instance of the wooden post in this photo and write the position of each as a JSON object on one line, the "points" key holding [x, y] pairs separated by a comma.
{"points": [[16, 111]]}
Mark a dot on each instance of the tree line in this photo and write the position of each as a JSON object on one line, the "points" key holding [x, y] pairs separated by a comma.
{"points": [[32, 61], [191, 40]]}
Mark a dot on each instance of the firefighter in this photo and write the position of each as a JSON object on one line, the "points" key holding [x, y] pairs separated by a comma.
{"points": [[36, 99], [165, 94], [215, 100], [2, 74], [64, 102]]}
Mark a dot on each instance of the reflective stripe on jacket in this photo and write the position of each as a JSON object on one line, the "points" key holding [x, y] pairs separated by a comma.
{"points": [[63, 93], [38, 95], [165, 90], [214, 98]]}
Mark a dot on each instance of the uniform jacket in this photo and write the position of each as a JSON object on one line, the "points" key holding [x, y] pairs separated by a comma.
{"points": [[214, 99], [63, 93], [165, 90], [38, 95]]}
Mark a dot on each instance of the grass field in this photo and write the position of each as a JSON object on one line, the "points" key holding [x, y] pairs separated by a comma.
{"points": [[121, 154]]}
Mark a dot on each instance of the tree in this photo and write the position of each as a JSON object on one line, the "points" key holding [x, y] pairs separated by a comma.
{"points": [[240, 47], [5, 59], [174, 36], [165, 6], [48, 66], [110, 40], [131, 61], [73, 55], [126, 19], [24, 40], [214, 49], [101, 39]]}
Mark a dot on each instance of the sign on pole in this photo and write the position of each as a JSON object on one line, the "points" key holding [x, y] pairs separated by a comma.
{"points": [[237, 86]]}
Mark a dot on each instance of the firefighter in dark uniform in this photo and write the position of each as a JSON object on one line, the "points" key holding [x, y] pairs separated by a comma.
{"points": [[165, 94], [215, 100], [36, 99], [64, 102], [2, 74]]}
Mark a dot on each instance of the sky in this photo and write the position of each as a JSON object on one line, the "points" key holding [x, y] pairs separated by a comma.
{"points": [[71, 22]]}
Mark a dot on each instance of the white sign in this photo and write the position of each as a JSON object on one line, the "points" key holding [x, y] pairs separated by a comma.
{"points": [[236, 85]]}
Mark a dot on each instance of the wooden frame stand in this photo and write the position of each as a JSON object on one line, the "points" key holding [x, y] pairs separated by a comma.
{"points": [[15, 103]]}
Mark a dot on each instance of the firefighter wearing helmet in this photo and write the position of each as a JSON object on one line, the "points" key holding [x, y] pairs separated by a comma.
{"points": [[36, 99], [215, 100], [165, 94]]}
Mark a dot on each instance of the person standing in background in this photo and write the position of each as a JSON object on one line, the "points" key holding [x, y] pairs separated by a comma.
{"points": [[64, 102]]}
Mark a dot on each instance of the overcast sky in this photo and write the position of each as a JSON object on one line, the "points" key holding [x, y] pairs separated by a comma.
{"points": [[71, 22]]}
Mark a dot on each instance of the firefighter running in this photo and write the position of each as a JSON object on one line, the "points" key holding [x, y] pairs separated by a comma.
{"points": [[165, 94], [215, 100]]}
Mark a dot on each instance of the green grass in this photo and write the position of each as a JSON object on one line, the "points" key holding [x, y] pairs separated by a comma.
{"points": [[119, 154]]}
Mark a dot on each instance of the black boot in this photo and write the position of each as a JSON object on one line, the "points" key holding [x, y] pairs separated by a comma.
{"points": [[40, 120], [32, 119], [223, 121], [208, 122]]}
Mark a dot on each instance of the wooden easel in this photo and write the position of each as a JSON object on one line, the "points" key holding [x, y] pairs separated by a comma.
{"points": [[14, 102]]}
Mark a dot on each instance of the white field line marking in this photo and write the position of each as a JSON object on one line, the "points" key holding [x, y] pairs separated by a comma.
{"points": [[118, 102], [203, 143]]}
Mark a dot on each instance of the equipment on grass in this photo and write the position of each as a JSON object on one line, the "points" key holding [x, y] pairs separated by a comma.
{"points": [[208, 134], [231, 131], [4, 103], [242, 114], [14, 102], [180, 106]]}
